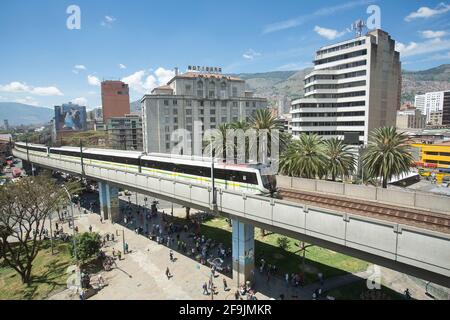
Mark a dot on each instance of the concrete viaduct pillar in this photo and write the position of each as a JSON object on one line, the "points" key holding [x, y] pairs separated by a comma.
{"points": [[243, 247], [109, 201]]}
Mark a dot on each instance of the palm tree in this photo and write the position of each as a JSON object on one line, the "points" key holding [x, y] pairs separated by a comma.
{"points": [[341, 161], [240, 125], [387, 154], [265, 120], [304, 158], [221, 149]]}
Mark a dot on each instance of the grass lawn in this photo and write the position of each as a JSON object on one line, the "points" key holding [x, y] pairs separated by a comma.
{"points": [[359, 291], [318, 259], [49, 275]]}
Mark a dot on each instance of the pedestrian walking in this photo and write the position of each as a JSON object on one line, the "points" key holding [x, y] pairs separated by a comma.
{"points": [[126, 247], [168, 275], [205, 289], [90, 228], [119, 255], [101, 219], [57, 225], [237, 295], [225, 285], [171, 255]]}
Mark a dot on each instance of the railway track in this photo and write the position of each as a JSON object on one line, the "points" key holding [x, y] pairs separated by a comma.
{"points": [[418, 218]]}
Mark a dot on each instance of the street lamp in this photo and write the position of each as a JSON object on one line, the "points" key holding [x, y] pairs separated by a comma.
{"points": [[73, 228], [214, 202]]}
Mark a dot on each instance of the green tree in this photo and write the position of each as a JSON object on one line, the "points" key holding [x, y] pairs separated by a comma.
{"points": [[283, 243], [341, 161], [387, 155], [304, 158], [242, 125], [265, 120], [88, 245], [24, 209]]}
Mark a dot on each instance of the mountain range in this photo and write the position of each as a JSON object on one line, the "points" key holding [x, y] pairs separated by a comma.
{"points": [[278, 85], [19, 113], [274, 86]]}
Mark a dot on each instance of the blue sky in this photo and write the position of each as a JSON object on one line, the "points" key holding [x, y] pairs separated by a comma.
{"points": [[44, 63]]}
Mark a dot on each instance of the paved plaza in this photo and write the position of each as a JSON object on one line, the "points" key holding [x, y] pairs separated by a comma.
{"points": [[141, 274]]}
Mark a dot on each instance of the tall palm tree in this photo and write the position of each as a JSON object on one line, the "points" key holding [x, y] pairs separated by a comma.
{"points": [[387, 154], [222, 150], [243, 125], [264, 119], [341, 161], [304, 158]]}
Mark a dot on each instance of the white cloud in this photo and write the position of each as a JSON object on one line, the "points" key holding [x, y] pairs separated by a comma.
{"points": [[164, 75], [250, 54], [135, 81], [27, 100], [429, 34], [108, 21], [122, 66], [93, 80], [426, 47], [143, 82], [15, 87], [326, 11], [81, 101], [19, 87], [329, 34], [47, 91], [426, 12], [80, 67]]}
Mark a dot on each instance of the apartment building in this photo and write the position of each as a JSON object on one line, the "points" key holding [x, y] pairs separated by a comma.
{"points": [[355, 87], [209, 98]]}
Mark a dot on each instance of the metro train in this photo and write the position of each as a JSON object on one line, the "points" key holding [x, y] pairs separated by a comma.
{"points": [[248, 178]]}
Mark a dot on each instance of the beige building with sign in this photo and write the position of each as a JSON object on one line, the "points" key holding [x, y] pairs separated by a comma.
{"points": [[210, 98]]}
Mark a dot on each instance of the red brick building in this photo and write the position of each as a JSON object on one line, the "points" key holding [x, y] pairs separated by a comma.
{"points": [[115, 99]]}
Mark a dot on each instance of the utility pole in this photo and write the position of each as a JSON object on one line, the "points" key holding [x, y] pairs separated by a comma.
{"points": [[73, 234], [81, 153], [212, 287], [123, 240], [51, 232], [214, 202]]}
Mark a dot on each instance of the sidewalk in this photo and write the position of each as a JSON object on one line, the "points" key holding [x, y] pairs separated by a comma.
{"points": [[140, 275]]}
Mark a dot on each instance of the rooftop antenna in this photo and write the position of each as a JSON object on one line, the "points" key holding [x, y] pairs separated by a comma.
{"points": [[358, 26]]}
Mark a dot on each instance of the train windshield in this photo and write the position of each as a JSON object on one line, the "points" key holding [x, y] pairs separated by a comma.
{"points": [[268, 182]]}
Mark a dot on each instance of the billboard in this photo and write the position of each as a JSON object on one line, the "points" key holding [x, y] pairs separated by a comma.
{"points": [[70, 117]]}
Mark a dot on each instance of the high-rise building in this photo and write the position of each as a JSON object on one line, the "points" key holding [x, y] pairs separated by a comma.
{"points": [[411, 119], [209, 98], [6, 124], [432, 105], [125, 133], [446, 109], [355, 87], [115, 99], [419, 103]]}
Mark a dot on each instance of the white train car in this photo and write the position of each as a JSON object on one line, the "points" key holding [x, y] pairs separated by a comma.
{"points": [[197, 170]]}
